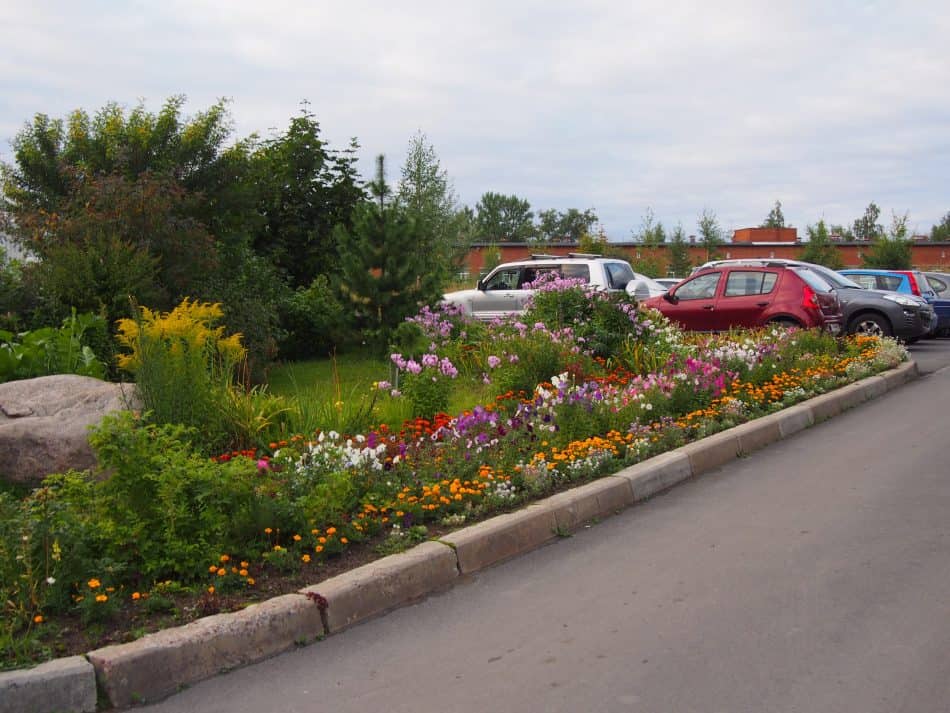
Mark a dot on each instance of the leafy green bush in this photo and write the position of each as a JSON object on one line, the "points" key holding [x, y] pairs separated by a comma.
{"points": [[49, 350], [314, 321]]}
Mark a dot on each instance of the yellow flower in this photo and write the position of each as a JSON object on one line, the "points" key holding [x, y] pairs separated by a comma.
{"points": [[211, 589], [102, 597], [306, 558], [297, 538], [267, 530]]}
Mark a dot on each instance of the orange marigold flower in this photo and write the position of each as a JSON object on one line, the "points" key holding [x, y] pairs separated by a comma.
{"points": [[306, 558], [319, 548], [250, 581], [136, 596], [211, 589], [225, 558], [244, 565], [94, 583], [213, 568], [331, 530], [267, 530], [243, 573], [38, 619], [222, 572], [321, 540], [344, 540], [297, 538], [102, 597]]}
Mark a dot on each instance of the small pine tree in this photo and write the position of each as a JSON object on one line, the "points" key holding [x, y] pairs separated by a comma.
{"points": [[384, 276]]}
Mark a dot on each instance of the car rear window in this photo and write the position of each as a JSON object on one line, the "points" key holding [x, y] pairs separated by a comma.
{"points": [[575, 272], [749, 282], [812, 279]]}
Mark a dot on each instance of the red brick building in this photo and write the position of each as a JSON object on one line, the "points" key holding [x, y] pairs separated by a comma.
{"points": [[746, 242]]}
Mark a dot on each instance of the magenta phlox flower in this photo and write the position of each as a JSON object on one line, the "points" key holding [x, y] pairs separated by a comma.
{"points": [[493, 361], [448, 368]]}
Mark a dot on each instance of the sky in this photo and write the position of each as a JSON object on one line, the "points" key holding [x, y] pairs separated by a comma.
{"points": [[618, 107]]}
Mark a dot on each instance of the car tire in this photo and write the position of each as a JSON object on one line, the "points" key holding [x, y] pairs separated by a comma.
{"points": [[873, 324], [785, 322]]}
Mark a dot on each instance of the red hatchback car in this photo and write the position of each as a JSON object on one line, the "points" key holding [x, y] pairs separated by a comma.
{"points": [[719, 298]]}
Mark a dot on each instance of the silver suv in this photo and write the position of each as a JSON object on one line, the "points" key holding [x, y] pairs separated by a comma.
{"points": [[505, 291]]}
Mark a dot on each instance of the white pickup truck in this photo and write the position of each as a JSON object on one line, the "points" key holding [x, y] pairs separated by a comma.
{"points": [[505, 290]]}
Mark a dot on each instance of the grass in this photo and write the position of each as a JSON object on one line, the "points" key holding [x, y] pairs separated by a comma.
{"points": [[337, 393]]}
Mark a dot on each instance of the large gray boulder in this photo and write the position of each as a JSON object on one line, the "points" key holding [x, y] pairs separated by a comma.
{"points": [[44, 423]]}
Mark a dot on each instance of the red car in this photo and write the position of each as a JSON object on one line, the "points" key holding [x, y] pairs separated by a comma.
{"points": [[720, 298]]}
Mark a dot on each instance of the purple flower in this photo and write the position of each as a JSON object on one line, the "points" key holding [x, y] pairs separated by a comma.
{"points": [[493, 362]]}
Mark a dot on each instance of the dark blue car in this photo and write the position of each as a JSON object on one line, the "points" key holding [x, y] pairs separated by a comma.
{"points": [[912, 282], [940, 281]]}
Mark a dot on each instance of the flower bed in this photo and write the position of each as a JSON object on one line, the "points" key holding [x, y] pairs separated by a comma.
{"points": [[171, 527]]}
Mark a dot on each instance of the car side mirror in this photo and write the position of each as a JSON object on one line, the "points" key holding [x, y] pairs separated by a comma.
{"points": [[670, 297], [480, 285]]}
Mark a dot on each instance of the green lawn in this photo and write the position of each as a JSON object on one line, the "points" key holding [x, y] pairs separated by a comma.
{"points": [[338, 393]]}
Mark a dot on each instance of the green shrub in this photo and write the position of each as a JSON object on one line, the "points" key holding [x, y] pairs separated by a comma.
{"points": [[314, 322], [45, 351]]}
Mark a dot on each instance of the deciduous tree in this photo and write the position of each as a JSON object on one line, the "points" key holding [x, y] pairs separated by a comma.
{"points": [[820, 249], [710, 234], [504, 219], [775, 218]]}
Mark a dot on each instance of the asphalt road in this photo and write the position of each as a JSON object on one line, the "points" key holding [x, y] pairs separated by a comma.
{"points": [[812, 576]]}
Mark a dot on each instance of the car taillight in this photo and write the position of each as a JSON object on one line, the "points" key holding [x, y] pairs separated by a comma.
{"points": [[809, 298], [913, 285]]}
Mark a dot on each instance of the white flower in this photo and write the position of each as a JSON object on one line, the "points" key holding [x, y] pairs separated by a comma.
{"points": [[51, 580]]}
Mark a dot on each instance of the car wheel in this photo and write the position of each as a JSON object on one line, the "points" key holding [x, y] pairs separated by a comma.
{"points": [[872, 324]]}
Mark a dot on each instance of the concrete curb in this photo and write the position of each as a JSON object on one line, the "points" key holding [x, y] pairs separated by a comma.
{"points": [[59, 686], [385, 584], [160, 664]]}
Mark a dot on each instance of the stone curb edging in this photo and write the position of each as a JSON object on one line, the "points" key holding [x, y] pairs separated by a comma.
{"points": [[160, 664]]}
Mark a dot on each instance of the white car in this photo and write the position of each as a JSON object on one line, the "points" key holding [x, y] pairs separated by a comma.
{"points": [[506, 289]]}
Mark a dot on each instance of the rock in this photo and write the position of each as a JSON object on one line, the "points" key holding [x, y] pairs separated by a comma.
{"points": [[44, 423]]}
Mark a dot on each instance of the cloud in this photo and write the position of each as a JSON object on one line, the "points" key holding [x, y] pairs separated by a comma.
{"points": [[678, 106]]}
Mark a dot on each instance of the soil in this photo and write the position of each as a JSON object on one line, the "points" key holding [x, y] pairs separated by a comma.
{"points": [[61, 636]]}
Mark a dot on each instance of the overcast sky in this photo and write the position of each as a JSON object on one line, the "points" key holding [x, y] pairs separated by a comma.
{"points": [[617, 107]]}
